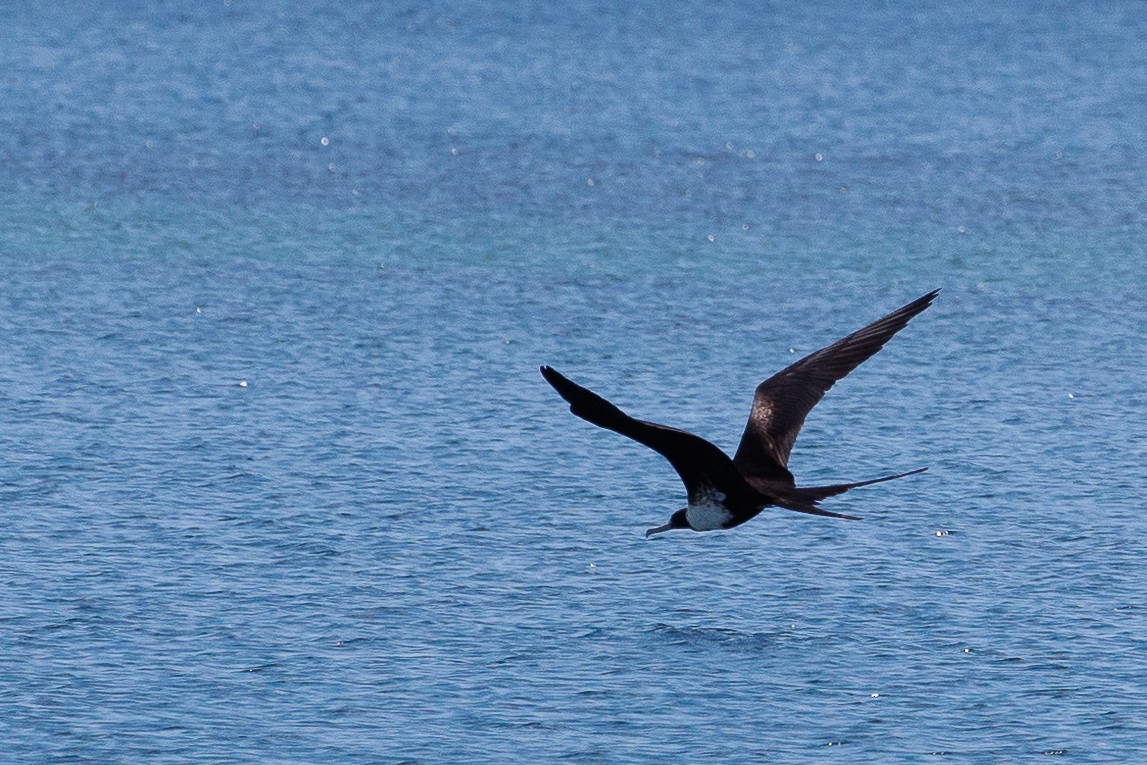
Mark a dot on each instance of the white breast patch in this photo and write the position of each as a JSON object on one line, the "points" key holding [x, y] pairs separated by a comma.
{"points": [[708, 513]]}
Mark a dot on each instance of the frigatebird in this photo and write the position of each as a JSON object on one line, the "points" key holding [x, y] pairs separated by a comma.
{"points": [[724, 492]]}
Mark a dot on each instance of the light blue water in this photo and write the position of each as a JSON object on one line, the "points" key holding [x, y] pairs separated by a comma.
{"points": [[281, 482]]}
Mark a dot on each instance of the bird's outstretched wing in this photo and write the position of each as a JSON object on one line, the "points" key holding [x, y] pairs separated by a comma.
{"points": [[698, 462], [784, 400]]}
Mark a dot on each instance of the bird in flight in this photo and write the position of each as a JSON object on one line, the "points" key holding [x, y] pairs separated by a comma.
{"points": [[724, 492]]}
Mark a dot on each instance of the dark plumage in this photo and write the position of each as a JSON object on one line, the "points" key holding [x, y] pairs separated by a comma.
{"points": [[724, 492]]}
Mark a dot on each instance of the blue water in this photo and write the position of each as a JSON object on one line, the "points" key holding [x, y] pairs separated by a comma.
{"points": [[281, 482]]}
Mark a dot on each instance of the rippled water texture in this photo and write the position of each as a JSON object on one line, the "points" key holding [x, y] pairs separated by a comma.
{"points": [[281, 481]]}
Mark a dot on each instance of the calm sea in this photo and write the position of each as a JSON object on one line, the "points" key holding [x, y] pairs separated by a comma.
{"points": [[280, 482]]}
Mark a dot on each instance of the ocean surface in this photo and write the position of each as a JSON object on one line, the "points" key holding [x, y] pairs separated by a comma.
{"points": [[280, 481]]}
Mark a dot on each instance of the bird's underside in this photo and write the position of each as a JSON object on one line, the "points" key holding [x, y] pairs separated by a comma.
{"points": [[757, 476]]}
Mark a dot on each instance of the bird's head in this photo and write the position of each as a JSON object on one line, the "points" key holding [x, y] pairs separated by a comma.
{"points": [[676, 521]]}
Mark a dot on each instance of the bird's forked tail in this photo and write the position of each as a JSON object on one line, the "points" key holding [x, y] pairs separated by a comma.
{"points": [[806, 498]]}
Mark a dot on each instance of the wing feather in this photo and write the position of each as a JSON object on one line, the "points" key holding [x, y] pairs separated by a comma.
{"points": [[697, 461], [782, 402]]}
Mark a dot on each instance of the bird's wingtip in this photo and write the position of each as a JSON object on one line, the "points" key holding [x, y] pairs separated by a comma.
{"points": [[928, 297]]}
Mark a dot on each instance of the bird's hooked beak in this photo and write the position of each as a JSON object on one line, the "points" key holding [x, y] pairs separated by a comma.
{"points": [[678, 520]]}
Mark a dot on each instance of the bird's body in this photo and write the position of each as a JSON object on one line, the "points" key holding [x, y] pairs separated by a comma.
{"points": [[723, 492]]}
